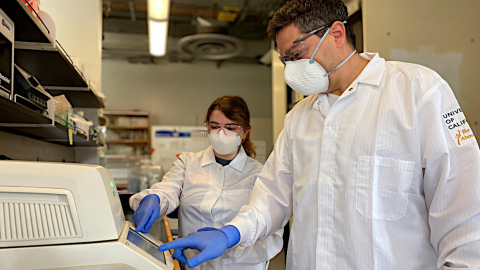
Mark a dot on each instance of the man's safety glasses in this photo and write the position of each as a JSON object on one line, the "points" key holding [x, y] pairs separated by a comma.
{"points": [[294, 56]]}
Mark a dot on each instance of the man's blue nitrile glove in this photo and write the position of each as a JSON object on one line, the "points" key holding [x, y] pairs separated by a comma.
{"points": [[147, 212], [209, 241]]}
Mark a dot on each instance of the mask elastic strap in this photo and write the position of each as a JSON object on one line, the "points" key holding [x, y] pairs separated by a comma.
{"points": [[240, 133], [344, 61], [318, 46]]}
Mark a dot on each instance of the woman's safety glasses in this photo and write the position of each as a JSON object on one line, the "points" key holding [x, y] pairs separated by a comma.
{"points": [[232, 127]]}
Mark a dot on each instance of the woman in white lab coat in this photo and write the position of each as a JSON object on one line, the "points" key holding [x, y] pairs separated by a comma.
{"points": [[211, 186]]}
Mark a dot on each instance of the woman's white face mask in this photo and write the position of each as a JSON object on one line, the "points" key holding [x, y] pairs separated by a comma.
{"points": [[224, 141], [306, 76]]}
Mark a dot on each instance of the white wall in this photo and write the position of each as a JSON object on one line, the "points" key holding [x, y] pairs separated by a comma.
{"points": [[78, 26], [180, 93], [443, 35]]}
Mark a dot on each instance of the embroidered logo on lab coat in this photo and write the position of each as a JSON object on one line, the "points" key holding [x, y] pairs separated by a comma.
{"points": [[458, 127]]}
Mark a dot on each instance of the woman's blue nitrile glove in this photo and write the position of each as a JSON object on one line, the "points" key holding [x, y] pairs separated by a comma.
{"points": [[147, 212], [209, 241]]}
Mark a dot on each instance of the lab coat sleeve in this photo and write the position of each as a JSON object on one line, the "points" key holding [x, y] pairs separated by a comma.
{"points": [[451, 163], [168, 190], [270, 203], [262, 250]]}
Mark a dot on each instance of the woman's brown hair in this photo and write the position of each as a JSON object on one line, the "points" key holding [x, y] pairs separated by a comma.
{"points": [[235, 109]]}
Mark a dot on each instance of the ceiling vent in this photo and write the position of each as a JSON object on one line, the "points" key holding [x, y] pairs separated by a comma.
{"points": [[210, 43]]}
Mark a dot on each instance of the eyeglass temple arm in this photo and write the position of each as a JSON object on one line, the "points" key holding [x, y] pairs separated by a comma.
{"points": [[309, 34], [315, 31]]}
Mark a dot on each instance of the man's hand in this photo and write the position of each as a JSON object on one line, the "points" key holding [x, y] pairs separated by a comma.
{"points": [[210, 242]]}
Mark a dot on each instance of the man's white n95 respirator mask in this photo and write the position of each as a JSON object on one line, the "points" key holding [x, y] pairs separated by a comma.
{"points": [[306, 76]]}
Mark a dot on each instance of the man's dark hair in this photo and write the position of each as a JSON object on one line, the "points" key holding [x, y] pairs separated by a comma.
{"points": [[309, 15]]}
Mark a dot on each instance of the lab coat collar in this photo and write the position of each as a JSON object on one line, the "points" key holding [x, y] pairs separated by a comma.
{"points": [[208, 157], [373, 73], [238, 163]]}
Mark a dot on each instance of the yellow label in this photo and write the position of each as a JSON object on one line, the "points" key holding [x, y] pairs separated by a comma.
{"points": [[463, 135], [70, 136]]}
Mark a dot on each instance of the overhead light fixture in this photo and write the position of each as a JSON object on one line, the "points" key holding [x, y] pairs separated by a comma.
{"points": [[158, 11], [157, 36]]}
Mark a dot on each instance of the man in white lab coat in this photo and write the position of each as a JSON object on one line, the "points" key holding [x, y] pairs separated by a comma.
{"points": [[378, 165]]}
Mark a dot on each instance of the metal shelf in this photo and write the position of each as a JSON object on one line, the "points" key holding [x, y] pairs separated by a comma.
{"points": [[50, 65], [17, 119], [44, 58], [57, 74], [13, 114]]}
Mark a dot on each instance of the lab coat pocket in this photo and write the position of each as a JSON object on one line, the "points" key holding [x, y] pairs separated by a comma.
{"points": [[382, 187]]}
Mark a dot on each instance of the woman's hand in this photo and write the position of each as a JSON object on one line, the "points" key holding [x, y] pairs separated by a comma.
{"points": [[146, 213]]}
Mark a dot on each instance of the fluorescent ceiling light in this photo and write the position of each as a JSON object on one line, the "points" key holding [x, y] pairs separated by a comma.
{"points": [[157, 35], [158, 12], [158, 9]]}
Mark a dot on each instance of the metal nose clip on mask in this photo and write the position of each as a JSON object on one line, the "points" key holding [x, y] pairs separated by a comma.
{"points": [[308, 77]]}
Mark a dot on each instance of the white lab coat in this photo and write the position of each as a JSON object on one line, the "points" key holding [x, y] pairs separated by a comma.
{"points": [[209, 195], [380, 180]]}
